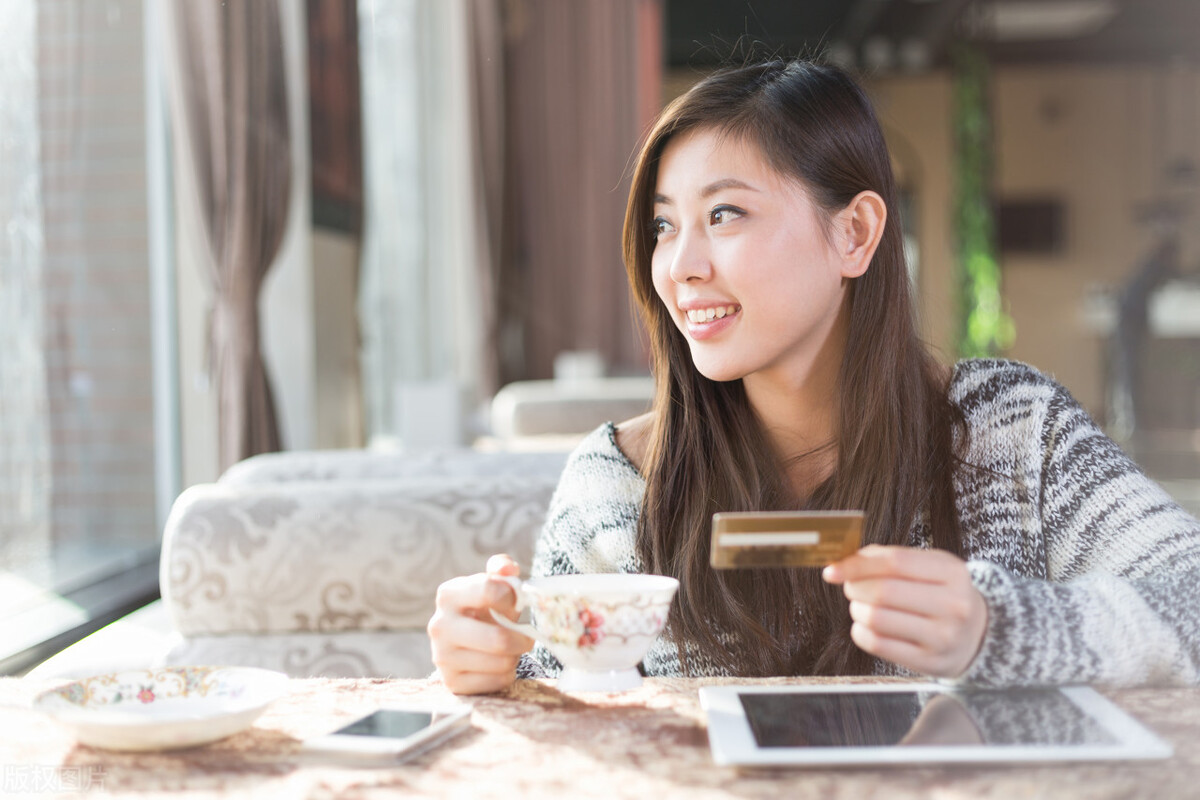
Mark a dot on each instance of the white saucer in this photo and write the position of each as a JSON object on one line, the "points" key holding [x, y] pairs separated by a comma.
{"points": [[614, 680], [164, 708]]}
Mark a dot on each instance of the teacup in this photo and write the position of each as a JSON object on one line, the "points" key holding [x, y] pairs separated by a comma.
{"points": [[598, 626]]}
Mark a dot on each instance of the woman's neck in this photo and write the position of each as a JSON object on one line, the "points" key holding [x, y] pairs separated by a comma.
{"points": [[799, 411], [801, 427], [798, 420]]}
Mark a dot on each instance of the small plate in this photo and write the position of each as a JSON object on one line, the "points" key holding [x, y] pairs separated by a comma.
{"points": [[164, 708]]}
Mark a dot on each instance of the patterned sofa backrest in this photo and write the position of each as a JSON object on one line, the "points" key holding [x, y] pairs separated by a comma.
{"points": [[338, 555], [359, 465]]}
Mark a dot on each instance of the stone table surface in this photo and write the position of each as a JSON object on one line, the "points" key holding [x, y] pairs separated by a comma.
{"points": [[534, 741]]}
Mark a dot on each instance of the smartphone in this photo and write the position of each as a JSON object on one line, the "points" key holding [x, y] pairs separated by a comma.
{"points": [[398, 733]]}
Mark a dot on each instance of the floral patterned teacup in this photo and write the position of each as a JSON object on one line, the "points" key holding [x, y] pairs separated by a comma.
{"points": [[599, 626]]}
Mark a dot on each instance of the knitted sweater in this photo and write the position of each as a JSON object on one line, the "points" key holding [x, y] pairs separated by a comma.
{"points": [[1091, 573]]}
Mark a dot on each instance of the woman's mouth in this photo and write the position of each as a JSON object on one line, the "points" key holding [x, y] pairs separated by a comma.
{"points": [[701, 315], [704, 323]]}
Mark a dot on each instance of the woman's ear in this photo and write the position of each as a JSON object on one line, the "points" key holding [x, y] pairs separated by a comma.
{"points": [[861, 225]]}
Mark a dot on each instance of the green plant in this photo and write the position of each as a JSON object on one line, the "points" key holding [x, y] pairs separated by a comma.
{"points": [[984, 329]]}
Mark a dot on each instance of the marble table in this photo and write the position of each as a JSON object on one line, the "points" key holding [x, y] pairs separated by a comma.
{"points": [[534, 741]]}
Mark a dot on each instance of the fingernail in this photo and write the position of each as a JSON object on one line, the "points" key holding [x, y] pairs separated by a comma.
{"points": [[830, 573]]}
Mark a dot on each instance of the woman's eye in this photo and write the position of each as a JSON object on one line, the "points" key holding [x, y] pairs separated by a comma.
{"points": [[660, 226], [722, 214]]}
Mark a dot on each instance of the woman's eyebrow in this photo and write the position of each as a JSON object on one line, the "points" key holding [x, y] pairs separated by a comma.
{"points": [[725, 183], [709, 190]]}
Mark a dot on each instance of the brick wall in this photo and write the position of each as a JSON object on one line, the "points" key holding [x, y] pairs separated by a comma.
{"points": [[96, 281]]}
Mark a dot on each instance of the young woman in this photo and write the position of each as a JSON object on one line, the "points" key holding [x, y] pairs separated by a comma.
{"points": [[1009, 541]]}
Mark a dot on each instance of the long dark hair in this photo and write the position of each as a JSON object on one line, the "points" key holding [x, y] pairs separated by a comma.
{"points": [[708, 452]]}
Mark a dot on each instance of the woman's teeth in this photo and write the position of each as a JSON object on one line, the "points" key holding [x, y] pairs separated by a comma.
{"points": [[706, 314]]}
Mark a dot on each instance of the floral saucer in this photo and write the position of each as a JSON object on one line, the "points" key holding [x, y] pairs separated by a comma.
{"points": [[163, 708]]}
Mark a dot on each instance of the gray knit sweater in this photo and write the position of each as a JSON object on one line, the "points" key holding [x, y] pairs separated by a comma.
{"points": [[1090, 571]]}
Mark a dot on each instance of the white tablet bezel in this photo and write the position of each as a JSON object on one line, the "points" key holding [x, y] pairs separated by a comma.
{"points": [[732, 742]]}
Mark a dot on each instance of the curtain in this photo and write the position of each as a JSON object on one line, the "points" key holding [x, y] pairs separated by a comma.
{"points": [[234, 107], [433, 100], [399, 315], [485, 32], [582, 81]]}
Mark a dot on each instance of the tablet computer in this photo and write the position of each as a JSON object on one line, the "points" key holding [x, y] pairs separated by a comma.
{"points": [[905, 723]]}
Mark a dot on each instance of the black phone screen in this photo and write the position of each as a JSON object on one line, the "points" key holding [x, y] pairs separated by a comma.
{"points": [[388, 723]]}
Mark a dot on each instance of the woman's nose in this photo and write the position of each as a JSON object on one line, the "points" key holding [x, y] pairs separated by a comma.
{"points": [[691, 261]]}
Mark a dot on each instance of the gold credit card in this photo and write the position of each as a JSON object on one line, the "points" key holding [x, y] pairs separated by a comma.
{"points": [[784, 538]]}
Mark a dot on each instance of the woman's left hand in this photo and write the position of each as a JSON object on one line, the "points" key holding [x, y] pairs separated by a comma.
{"points": [[917, 608]]}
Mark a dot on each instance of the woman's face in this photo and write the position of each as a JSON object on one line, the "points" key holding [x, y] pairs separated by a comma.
{"points": [[743, 262]]}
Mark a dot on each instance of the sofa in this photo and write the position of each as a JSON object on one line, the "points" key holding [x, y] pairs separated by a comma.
{"points": [[324, 563], [327, 563]]}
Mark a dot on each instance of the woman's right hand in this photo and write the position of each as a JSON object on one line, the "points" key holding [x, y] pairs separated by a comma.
{"points": [[472, 653]]}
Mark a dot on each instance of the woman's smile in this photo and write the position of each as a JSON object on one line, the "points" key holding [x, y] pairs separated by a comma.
{"points": [[705, 320]]}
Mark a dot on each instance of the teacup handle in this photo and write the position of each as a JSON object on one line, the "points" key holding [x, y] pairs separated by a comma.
{"points": [[522, 602]]}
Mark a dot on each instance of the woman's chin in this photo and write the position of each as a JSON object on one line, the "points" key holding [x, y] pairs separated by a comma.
{"points": [[720, 373]]}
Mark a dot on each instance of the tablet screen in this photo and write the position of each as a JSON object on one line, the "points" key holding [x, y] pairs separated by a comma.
{"points": [[1029, 717]]}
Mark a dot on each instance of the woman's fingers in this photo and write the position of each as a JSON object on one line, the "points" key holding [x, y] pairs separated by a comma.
{"points": [[472, 653], [477, 682], [898, 651], [463, 660], [917, 608], [931, 583], [475, 593], [925, 599], [908, 563], [458, 631], [899, 635], [891, 623], [502, 564], [504, 598]]}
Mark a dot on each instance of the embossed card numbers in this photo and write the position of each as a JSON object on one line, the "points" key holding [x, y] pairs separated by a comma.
{"points": [[784, 538]]}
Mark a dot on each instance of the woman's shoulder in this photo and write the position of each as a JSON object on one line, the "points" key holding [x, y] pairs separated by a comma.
{"points": [[632, 438], [1009, 406], [990, 384], [613, 449], [599, 483]]}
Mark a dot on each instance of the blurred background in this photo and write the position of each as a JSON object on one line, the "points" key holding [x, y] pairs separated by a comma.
{"points": [[328, 224]]}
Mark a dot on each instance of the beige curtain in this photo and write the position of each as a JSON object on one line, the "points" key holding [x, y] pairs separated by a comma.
{"points": [[485, 31], [234, 105], [582, 81]]}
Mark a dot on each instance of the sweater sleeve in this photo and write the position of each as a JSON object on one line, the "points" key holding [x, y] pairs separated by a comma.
{"points": [[591, 524], [1120, 604]]}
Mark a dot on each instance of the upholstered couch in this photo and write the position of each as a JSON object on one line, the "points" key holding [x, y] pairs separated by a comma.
{"points": [[325, 563]]}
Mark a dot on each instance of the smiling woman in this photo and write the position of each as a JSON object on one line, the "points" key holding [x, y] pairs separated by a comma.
{"points": [[1008, 541], [820, 392]]}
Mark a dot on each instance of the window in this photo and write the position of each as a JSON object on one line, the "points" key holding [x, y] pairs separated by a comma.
{"points": [[79, 453]]}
